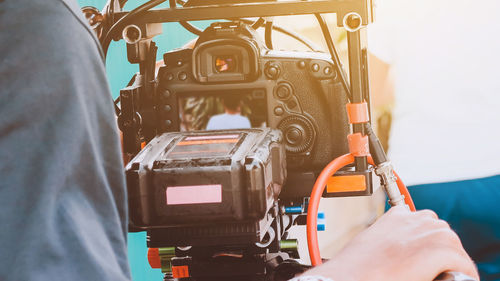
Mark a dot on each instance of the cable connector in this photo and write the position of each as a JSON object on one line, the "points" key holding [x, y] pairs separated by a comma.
{"points": [[388, 180], [384, 168]]}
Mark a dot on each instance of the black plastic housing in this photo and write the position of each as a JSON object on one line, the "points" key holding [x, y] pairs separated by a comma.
{"points": [[247, 167]]}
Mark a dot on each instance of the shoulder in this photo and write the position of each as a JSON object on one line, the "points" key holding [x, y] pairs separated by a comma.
{"points": [[52, 53], [54, 24], [214, 122], [217, 117]]}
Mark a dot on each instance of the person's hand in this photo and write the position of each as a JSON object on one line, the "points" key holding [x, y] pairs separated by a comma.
{"points": [[400, 246]]}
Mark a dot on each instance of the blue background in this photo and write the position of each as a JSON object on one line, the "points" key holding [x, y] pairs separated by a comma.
{"points": [[119, 72]]}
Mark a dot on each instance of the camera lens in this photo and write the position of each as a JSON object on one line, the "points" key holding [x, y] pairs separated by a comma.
{"points": [[225, 64]]}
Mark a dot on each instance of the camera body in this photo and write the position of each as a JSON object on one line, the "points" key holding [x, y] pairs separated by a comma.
{"points": [[298, 93]]}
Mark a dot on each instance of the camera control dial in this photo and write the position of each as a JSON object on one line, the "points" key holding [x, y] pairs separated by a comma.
{"points": [[298, 132]]}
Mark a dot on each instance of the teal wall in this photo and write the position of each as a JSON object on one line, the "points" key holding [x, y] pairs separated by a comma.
{"points": [[119, 72]]}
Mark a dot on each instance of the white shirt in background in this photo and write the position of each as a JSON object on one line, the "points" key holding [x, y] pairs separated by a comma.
{"points": [[228, 121]]}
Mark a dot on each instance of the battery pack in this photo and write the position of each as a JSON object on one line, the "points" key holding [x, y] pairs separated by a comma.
{"points": [[193, 179]]}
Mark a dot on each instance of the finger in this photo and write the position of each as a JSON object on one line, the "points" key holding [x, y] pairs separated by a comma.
{"points": [[472, 268], [457, 258], [428, 213], [441, 259], [464, 264], [445, 238], [400, 209], [443, 224], [437, 224]]}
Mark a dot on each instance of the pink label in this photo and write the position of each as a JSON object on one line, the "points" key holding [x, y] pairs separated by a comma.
{"points": [[194, 194], [212, 137]]}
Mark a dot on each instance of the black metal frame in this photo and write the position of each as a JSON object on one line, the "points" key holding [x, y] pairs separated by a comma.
{"points": [[364, 8]]}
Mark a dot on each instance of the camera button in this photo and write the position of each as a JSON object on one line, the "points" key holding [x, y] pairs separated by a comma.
{"points": [[279, 111], [327, 70], [315, 67], [283, 91], [167, 94], [272, 71], [182, 76], [170, 76], [291, 104], [294, 136]]}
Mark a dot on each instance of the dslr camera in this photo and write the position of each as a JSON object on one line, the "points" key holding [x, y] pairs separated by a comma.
{"points": [[296, 93]]}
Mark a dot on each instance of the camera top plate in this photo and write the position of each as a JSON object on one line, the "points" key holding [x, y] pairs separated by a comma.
{"points": [[363, 8]]}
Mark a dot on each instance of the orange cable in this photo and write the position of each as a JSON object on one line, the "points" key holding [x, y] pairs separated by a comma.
{"points": [[317, 192], [312, 210], [405, 192]]}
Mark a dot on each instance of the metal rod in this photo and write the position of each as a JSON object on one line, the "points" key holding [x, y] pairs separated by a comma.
{"points": [[333, 53], [355, 47], [266, 9]]}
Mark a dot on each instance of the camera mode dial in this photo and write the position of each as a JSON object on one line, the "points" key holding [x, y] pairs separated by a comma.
{"points": [[298, 132]]}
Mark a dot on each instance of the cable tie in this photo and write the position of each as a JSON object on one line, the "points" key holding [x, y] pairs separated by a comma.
{"points": [[358, 145], [358, 112]]}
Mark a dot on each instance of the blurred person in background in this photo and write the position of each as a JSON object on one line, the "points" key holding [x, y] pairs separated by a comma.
{"points": [[231, 118], [438, 62]]}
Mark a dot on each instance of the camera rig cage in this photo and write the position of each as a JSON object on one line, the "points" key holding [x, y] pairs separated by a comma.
{"points": [[139, 26]]}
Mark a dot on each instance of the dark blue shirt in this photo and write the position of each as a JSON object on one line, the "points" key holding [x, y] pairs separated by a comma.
{"points": [[63, 211]]}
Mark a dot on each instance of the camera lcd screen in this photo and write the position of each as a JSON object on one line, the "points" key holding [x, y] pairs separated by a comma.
{"points": [[235, 109]]}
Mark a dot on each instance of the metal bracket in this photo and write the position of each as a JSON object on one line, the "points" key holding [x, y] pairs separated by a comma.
{"points": [[363, 8]]}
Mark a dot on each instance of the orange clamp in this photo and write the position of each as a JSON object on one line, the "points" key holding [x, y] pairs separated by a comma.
{"points": [[358, 113], [154, 257], [358, 145], [180, 271], [346, 183]]}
